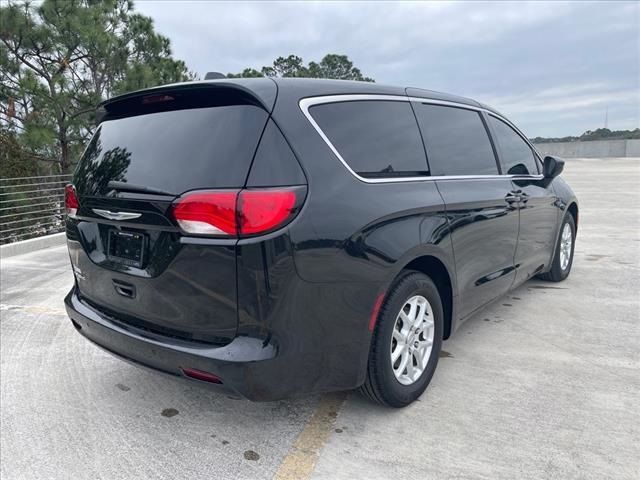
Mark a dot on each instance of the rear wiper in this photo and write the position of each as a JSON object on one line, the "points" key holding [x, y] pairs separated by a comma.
{"points": [[130, 187]]}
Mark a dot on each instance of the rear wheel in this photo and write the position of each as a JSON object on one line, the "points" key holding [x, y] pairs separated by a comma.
{"points": [[406, 342], [563, 256]]}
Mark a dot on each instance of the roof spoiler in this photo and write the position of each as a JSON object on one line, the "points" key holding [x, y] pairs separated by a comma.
{"points": [[178, 96]]}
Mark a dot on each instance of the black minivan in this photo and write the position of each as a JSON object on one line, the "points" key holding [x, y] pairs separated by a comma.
{"points": [[289, 236]]}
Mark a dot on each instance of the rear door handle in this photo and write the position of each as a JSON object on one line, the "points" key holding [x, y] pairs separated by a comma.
{"points": [[124, 289]]}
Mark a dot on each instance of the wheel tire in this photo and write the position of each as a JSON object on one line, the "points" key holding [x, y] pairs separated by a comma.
{"points": [[557, 273], [381, 384]]}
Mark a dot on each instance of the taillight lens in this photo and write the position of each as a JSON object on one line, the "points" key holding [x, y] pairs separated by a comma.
{"points": [[264, 210], [207, 213], [71, 203], [232, 213]]}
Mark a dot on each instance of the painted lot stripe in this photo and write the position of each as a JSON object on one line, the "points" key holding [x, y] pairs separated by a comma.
{"points": [[32, 309], [303, 455]]}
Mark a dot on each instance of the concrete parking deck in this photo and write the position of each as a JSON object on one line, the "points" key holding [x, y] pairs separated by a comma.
{"points": [[545, 383]]}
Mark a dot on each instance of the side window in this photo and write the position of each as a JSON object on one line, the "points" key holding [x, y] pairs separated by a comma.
{"points": [[376, 138], [456, 140], [274, 163], [515, 154]]}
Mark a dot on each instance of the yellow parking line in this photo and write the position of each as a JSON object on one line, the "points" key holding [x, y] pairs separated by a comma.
{"points": [[303, 455]]}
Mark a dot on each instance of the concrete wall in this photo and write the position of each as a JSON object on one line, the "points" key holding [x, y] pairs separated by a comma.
{"points": [[32, 244], [592, 149]]}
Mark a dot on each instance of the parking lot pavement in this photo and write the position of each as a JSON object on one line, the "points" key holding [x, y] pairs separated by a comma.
{"points": [[544, 383]]}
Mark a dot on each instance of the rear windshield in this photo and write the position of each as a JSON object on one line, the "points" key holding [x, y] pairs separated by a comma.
{"points": [[173, 151]]}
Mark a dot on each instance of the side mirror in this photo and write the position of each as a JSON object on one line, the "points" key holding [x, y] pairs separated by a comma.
{"points": [[553, 166]]}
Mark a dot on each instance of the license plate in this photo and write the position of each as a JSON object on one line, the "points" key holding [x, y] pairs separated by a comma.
{"points": [[126, 247]]}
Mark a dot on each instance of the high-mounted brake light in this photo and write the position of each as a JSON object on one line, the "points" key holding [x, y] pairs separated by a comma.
{"points": [[71, 203], [232, 213], [146, 100]]}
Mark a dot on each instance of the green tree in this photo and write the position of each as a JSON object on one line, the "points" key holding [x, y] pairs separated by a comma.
{"points": [[597, 134], [336, 66], [605, 133], [331, 66], [291, 66], [15, 161], [246, 73], [60, 58]]}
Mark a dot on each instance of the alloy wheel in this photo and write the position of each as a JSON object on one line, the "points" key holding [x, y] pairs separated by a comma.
{"points": [[565, 246], [412, 340]]}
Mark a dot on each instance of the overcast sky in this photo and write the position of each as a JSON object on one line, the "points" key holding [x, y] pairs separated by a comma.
{"points": [[554, 68]]}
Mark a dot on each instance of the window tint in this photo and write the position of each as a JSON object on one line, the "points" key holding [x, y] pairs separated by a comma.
{"points": [[173, 151], [516, 155], [375, 138], [456, 140], [274, 163]]}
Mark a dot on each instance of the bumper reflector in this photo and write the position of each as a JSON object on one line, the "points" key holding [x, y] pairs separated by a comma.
{"points": [[200, 375], [376, 310]]}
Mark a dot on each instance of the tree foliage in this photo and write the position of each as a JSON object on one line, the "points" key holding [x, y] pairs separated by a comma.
{"points": [[597, 134], [60, 58], [331, 66], [15, 161]]}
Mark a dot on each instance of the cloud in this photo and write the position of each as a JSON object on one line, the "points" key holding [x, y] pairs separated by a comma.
{"points": [[554, 67], [563, 98]]}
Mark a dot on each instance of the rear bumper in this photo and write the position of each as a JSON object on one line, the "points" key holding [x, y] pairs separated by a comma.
{"points": [[248, 366], [288, 342]]}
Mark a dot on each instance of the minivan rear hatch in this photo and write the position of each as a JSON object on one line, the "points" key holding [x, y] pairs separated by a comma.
{"points": [[131, 260]]}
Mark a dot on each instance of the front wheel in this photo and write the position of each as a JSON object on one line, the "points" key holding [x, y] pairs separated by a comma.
{"points": [[406, 342], [563, 255]]}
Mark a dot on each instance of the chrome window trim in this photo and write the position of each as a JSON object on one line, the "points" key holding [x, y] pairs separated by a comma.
{"points": [[536, 154], [306, 103]]}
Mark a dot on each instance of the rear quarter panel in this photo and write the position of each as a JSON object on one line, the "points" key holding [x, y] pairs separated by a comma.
{"points": [[349, 242], [350, 231]]}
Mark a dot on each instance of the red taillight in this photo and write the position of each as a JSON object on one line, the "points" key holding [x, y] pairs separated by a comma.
{"points": [[232, 213], [207, 213], [71, 203], [263, 210]]}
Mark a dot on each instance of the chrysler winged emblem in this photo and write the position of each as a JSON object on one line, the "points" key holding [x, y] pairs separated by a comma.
{"points": [[116, 215]]}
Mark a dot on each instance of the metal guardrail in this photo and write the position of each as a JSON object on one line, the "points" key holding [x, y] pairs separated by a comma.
{"points": [[31, 206]]}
